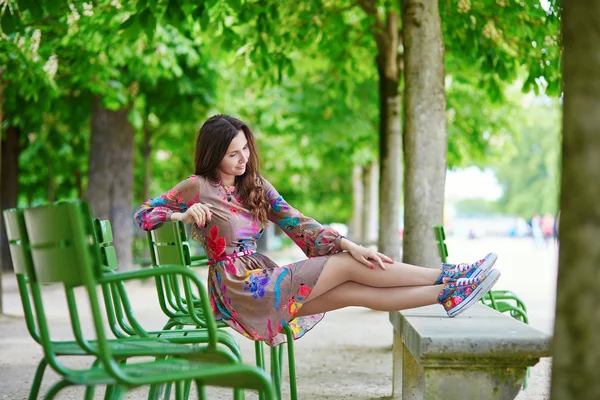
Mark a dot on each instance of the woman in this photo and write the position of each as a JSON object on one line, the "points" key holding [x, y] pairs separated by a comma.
{"points": [[229, 203]]}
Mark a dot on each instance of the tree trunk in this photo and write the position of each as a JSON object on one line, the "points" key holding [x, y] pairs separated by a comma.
{"points": [[110, 183], [358, 194], [51, 185], [371, 200], [575, 345], [147, 153], [9, 184], [390, 142], [425, 141], [2, 85], [79, 182]]}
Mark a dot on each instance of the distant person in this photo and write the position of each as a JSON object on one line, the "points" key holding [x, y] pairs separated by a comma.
{"points": [[547, 227], [536, 230], [228, 202], [471, 234]]}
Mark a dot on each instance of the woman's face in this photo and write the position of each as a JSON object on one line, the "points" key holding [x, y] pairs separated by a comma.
{"points": [[234, 162]]}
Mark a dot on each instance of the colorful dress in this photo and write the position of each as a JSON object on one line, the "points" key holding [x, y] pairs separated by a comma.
{"points": [[247, 290]]}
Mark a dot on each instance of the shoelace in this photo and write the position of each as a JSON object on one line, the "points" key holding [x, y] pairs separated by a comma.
{"points": [[464, 267], [469, 281]]}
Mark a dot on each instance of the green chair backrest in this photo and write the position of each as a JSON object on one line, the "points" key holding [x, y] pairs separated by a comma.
{"points": [[440, 238], [61, 240], [21, 258], [117, 305], [104, 238], [167, 244], [167, 247], [11, 222]]}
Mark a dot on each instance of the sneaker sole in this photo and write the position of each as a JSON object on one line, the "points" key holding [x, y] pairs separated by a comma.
{"points": [[489, 262], [477, 294]]}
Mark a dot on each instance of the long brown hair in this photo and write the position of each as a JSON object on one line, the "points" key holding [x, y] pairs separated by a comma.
{"points": [[212, 143]]}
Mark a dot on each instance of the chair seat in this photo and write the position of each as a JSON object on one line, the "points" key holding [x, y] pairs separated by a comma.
{"points": [[184, 319], [163, 371], [137, 347]]}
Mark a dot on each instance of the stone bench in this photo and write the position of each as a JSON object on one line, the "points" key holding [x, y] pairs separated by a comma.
{"points": [[481, 354]]}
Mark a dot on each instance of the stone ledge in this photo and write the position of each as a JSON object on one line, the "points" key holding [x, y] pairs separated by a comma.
{"points": [[481, 354], [479, 332]]}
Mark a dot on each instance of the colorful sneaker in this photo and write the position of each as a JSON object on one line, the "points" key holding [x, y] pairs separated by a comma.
{"points": [[451, 272], [457, 296]]}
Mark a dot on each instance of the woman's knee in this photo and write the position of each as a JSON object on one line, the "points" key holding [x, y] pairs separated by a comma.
{"points": [[344, 263], [341, 263]]}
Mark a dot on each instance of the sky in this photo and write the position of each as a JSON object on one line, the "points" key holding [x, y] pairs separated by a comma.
{"points": [[472, 183]]}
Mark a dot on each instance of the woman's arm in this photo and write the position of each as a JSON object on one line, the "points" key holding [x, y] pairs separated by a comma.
{"points": [[313, 238], [170, 205]]}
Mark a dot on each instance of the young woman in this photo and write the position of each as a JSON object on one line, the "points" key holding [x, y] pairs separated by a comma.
{"points": [[229, 203]]}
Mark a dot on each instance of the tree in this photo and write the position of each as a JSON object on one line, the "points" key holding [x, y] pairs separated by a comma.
{"points": [[577, 323], [25, 73], [425, 141]]}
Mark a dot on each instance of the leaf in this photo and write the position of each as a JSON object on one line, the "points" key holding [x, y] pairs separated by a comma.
{"points": [[145, 18], [37, 12], [7, 23], [205, 20], [128, 22], [148, 22], [235, 4], [24, 5]]}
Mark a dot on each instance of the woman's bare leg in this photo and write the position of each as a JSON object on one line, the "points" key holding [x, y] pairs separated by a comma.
{"points": [[377, 298], [342, 267]]}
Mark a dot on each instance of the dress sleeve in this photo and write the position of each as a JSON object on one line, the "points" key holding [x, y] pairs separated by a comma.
{"points": [[313, 238], [154, 212]]}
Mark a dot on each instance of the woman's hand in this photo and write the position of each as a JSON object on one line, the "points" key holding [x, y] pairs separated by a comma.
{"points": [[366, 256], [198, 213]]}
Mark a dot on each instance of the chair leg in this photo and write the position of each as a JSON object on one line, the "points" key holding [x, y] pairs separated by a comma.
{"points": [[239, 394], [119, 392], [260, 361], [110, 391], [201, 390], [179, 389], [57, 387], [154, 392], [258, 351], [275, 371], [186, 389], [267, 391], [167, 394], [280, 353], [89, 392], [37, 381], [291, 363]]}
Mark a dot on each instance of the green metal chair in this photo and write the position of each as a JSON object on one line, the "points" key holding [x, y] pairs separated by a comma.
{"points": [[123, 322], [499, 300], [119, 310], [60, 249], [168, 245]]}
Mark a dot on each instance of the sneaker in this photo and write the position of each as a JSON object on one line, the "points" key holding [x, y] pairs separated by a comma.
{"points": [[457, 296], [451, 272]]}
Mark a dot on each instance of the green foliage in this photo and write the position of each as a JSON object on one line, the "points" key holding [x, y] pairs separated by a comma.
{"points": [[530, 174], [302, 75]]}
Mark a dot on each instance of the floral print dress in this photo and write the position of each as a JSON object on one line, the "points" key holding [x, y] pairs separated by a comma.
{"points": [[247, 290]]}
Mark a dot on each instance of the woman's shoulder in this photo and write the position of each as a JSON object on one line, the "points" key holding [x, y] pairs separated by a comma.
{"points": [[267, 186], [203, 183], [193, 182]]}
